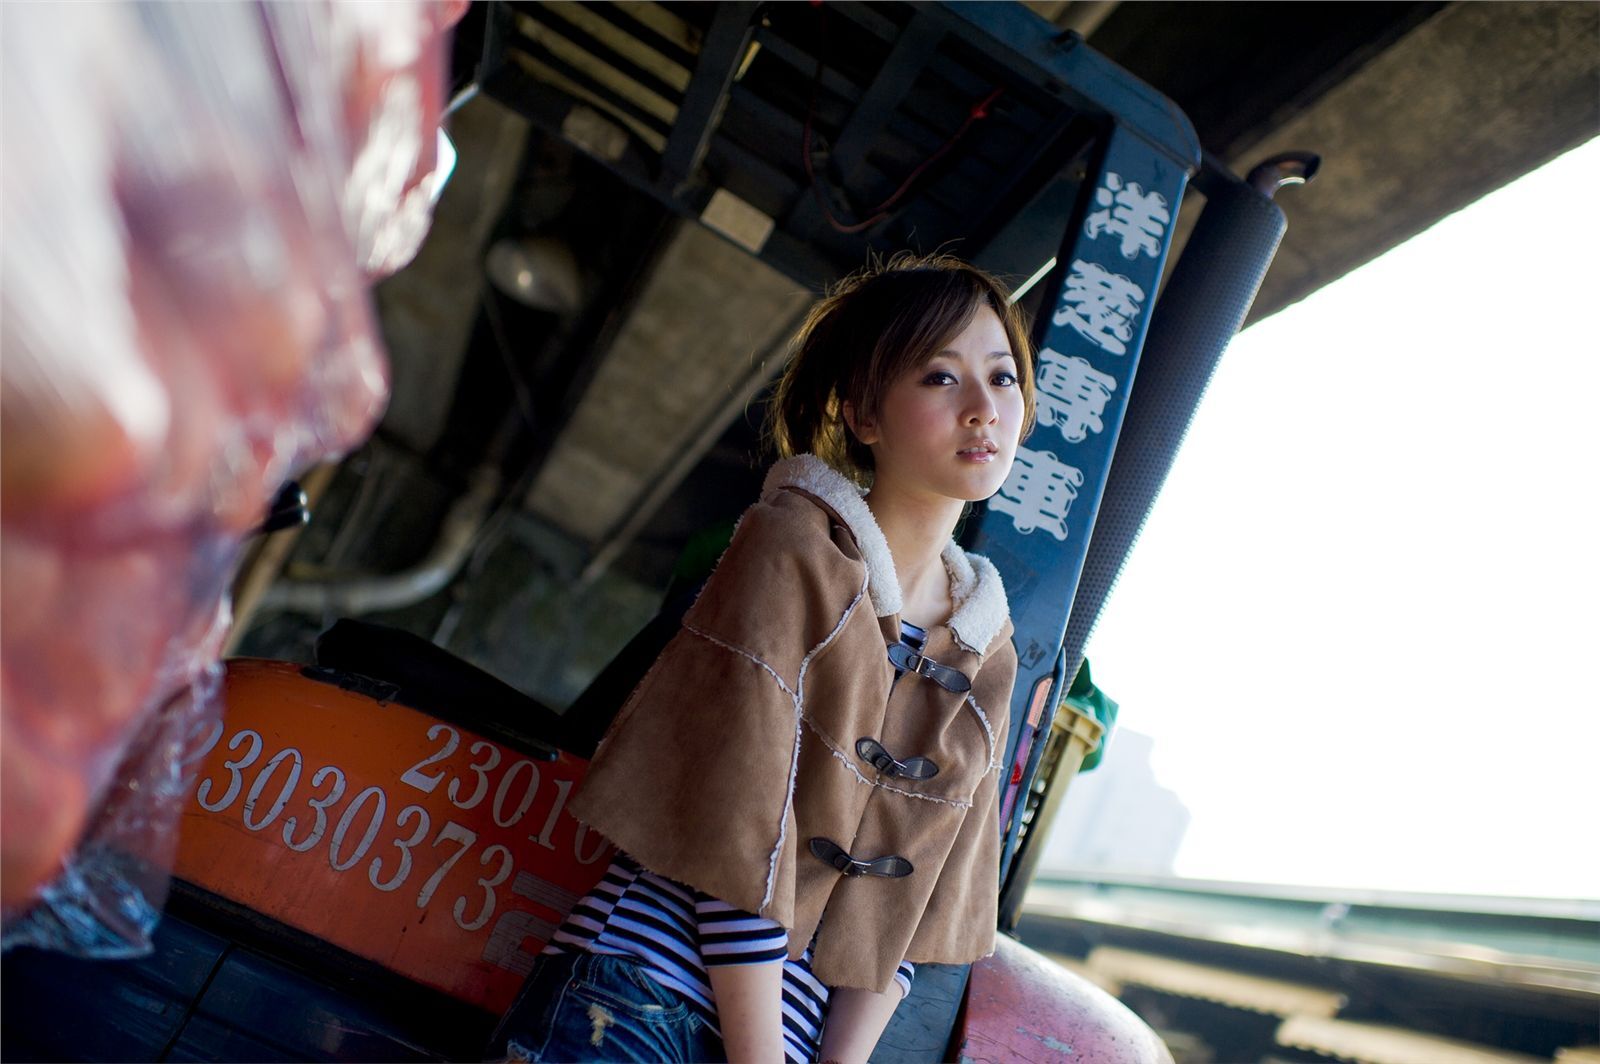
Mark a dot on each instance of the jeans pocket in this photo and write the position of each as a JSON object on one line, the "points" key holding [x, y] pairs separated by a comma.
{"points": [[595, 1007], [525, 1028], [605, 1016], [624, 986]]}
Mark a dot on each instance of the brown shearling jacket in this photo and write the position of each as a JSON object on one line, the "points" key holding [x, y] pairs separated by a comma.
{"points": [[771, 759]]}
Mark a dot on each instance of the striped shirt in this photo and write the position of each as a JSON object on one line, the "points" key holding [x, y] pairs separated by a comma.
{"points": [[675, 932]]}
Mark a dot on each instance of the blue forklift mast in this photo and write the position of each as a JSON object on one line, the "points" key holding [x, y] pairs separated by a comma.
{"points": [[848, 130]]}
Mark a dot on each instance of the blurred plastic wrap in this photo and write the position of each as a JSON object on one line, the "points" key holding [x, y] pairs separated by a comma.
{"points": [[195, 200]]}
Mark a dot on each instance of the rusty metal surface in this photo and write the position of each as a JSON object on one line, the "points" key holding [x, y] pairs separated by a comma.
{"points": [[1023, 1007]]}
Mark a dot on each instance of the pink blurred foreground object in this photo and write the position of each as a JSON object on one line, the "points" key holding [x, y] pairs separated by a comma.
{"points": [[1021, 1006], [196, 198]]}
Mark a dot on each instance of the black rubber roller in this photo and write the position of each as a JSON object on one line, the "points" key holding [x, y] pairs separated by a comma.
{"points": [[1205, 301]]}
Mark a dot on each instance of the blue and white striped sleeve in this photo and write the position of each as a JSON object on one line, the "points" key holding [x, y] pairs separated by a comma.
{"points": [[733, 936], [903, 976]]}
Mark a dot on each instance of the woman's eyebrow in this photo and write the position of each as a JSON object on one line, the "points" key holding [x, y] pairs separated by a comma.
{"points": [[950, 352]]}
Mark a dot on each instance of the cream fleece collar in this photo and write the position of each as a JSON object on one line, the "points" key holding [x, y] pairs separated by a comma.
{"points": [[975, 588]]}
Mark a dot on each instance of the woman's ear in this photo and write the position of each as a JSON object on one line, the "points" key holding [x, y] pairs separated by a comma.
{"points": [[864, 429]]}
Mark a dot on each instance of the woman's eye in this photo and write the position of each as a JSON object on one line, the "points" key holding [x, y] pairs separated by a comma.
{"points": [[1005, 380], [939, 377]]}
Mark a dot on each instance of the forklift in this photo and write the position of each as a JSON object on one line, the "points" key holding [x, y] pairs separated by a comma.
{"points": [[376, 845]]}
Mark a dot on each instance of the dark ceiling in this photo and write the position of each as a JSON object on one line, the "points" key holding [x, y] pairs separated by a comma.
{"points": [[1386, 92], [1417, 109], [1237, 69]]}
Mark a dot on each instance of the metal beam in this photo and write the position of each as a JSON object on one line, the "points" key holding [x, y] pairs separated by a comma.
{"points": [[1021, 41], [625, 55], [912, 52], [720, 54], [1037, 529], [804, 64], [640, 108], [913, 48], [620, 18], [549, 109]]}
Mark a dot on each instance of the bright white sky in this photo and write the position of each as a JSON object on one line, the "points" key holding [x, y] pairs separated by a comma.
{"points": [[1361, 622]]}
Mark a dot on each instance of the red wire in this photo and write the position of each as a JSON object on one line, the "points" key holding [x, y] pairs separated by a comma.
{"points": [[881, 211]]}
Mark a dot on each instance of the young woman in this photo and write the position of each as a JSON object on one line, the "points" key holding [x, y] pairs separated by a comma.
{"points": [[804, 787]]}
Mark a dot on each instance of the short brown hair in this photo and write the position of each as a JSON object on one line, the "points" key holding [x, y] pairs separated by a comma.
{"points": [[868, 329]]}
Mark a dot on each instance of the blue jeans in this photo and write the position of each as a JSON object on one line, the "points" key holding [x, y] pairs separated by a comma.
{"points": [[595, 1007]]}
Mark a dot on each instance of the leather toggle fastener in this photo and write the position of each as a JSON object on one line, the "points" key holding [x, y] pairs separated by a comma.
{"points": [[903, 657], [891, 867], [912, 768]]}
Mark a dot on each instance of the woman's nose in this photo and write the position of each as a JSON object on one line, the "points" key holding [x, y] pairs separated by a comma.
{"points": [[981, 409]]}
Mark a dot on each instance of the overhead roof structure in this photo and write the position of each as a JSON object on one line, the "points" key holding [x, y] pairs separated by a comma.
{"points": [[816, 134], [1468, 100], [1416, 109]]}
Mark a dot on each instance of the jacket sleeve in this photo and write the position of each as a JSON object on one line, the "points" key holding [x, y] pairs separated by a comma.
{"points": [[695, 776]]}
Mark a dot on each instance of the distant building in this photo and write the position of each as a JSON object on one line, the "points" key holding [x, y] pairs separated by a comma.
{"points": [[1118, 818]]}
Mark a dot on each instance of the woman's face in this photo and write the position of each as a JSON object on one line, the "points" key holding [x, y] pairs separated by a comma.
{"points": [[950, 427]]}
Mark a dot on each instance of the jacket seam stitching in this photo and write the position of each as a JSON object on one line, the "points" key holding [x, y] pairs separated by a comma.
{"points": [[794, 756], [803, 719], [799, 716], [796, 697], [983, 719], [842, 756], [742, 652]]}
